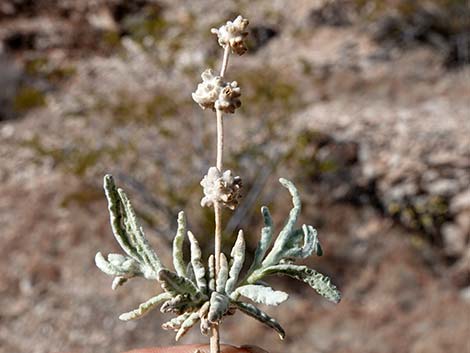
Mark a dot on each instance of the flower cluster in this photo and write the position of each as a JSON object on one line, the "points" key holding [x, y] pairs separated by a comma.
{"points": [[221, 187], [233, 35], [214, 93]]}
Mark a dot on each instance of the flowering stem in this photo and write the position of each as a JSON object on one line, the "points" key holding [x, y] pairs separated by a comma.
{"points": [[225, 61], [215, 337]]}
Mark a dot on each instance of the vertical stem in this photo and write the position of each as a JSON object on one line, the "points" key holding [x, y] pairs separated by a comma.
{"points": [[225, 61], [220, 140], [215, 337]]}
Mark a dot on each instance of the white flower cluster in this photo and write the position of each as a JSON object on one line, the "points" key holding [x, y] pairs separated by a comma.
{"points": [[221, 187], [233, 35], [214, 93]]}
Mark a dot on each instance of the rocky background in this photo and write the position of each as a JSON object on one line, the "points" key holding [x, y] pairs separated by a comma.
{"points": [[365, 105]]}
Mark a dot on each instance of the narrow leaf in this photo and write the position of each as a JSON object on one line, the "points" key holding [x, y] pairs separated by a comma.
{"points": [[116, 215], [238, 257], [262, 295], [319, 282], [277, 252], [265, 241], [174, 284], [144, 308], [196, 261], [187, 324], [175, 323], [254, 312], [141, 244], [178, 261], [222, 276], [211, 271]]}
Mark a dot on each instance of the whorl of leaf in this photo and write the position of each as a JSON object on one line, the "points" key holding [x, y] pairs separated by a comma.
{"points": [[195, 294]]}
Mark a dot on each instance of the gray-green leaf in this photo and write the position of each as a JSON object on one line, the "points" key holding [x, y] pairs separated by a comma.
{"points": [[319, 282], [238, 257], [261, 294], [196, 261], [144, 308], [178, 260], [254, 312]]}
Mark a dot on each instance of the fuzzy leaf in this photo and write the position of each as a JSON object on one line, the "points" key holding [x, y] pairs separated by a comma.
{"points": [[127, 231], [279, 249], [219, 305], [254, 312], [187, 324], [261, 294], [211, 272], [178, 261], [126, 267], [310, 243], [196, 261], [222, 276], [238, 257], [144, 308], [174, 284], [265, 241], [321, 283], [175, 323]]}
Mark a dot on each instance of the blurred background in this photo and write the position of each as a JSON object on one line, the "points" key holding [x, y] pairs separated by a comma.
{"points": [[365, 105]]}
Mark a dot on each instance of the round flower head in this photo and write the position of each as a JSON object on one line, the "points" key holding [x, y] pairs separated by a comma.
{"points": [[221, 187], [215, 94], [208, 91], [229, 98], [233, 35]]}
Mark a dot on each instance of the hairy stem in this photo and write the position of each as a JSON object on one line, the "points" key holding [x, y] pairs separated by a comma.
{"points": [[225, 61], [215, 337]]}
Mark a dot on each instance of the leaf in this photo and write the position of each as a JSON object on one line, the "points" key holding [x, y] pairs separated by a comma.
{"points": [[211, 271], [238, 257], [141, 244], [178, 261], [144, 308], [126, 267], [178, 304], [196, 261], [174, 284], [265, 241], [127, 231], [187, 324], [222, 276], [310, 243], [279, 248], [175, 323], [261, 294], [319, 282], [254, 312], [219, 305]]}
